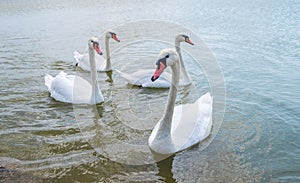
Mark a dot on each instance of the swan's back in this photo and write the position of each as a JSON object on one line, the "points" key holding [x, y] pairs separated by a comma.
{"points": [[70, 88], [83, 61], [143, 78]]}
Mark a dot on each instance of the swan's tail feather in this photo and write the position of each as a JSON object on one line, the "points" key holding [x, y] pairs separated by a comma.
{"points": [[77, 55], [48, 81], [206, 98], [62, 74], [121, 73]]}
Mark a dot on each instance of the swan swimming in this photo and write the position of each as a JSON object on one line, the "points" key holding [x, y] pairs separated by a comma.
{"points": [[184, 125], [75, 89]]}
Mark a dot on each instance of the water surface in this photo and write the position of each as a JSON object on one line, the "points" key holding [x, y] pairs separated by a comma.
{"points": [[256, 44]]}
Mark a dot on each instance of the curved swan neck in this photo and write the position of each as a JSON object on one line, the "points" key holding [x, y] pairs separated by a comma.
{"points": [[95, 88], [108, 62], [186, 76], [168, 115]]}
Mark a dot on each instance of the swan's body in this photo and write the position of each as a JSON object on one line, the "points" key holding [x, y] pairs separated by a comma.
{"points": [[141, 77], [74, 89], [82, 60], [102, 64], [184, 125]]}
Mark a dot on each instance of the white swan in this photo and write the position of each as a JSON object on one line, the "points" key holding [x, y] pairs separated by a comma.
{"points": [[102, 64], [184, 125], [141, 77], [74, 89]]}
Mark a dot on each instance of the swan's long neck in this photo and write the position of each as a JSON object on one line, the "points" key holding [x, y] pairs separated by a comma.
{"points": [[108, 62], [168, 116], [95, 88], [186, 76]]}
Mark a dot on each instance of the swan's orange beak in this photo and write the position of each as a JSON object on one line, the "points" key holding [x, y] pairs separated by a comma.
{"points": [[114, 36], [189, 41], [159, 69], [97, 48]]}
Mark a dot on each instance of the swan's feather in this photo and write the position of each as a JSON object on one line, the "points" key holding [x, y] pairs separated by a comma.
{"points": [[77, 55], [48, 81], [83, 61], [71, 89], [191, 124], [143, 78]]}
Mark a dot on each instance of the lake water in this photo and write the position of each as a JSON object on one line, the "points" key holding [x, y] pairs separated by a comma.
{"points": [[255, 44]]}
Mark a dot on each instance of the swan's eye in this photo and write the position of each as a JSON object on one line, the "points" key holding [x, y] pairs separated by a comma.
{"points": [[95, 43], [167, 56]]}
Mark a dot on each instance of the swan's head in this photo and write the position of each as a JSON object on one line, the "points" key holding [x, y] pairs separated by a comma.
{"points": [[111, 34], [183, 38], [94, 44], [167, 57]]}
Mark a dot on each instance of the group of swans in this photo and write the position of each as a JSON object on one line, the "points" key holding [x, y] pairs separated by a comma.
{"points": [[181, 126], [75, 89]]}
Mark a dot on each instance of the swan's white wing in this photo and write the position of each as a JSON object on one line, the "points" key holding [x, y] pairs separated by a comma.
{"points": [[143, 78], [70, 89], [77, 56], [84, 62], [153, 134], [101, 63], [204, 118], [61, 88], [82, 90], [191, 122]]}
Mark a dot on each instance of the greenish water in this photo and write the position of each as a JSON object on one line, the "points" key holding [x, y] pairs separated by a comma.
{"points": [[256, 44]]}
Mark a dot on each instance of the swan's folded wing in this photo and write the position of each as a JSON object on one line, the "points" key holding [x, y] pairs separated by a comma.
{"points": [[101, 63], [61, 88], [77, 55], [205, 104], [192, 122], [70, 88], [82, 60]]}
